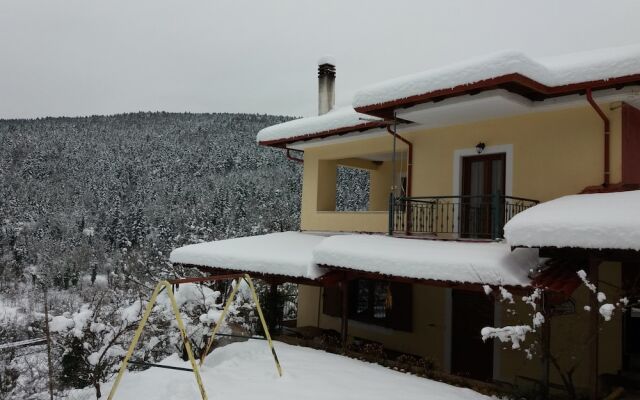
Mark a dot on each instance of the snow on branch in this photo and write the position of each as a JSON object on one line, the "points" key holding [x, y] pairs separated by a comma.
{"points": [[514, 334]]}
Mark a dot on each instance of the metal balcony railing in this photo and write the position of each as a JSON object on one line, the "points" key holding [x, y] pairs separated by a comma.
{"points": [[481, 217]]}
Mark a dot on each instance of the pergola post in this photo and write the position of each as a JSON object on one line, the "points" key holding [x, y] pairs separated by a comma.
{"points": [[594, 333], [344, 325], [546, 344], [273, 309]]}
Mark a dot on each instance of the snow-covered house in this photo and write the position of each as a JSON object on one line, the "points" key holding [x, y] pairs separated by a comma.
{"points": [[451, 156]]}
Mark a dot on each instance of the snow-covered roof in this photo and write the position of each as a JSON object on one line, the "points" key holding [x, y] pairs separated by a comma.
{"points": [[345, 118], [486, 263], [282, 253], [300, 254], [590, 221], [567, 69], [551, 76]]}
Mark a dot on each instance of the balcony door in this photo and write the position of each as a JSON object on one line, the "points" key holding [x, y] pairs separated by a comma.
{"points": [[483, 176]]}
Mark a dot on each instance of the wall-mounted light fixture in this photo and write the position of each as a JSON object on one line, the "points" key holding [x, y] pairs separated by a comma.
{"points": [[480, 147]]}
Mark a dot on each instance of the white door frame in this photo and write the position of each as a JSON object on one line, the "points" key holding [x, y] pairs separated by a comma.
{"points": [[459, 154]]}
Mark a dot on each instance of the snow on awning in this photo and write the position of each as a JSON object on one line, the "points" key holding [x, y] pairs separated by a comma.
{"points": [[552, 72], [282, 253], [588, 221], [464, 262], [335, 121]]}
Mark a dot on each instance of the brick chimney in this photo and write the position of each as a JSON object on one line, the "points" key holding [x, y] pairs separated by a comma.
{"points": [[326, 85]]}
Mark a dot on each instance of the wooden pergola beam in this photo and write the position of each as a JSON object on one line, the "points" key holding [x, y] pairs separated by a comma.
{"points": [[580, 254], [269, 278], [352, 274]]}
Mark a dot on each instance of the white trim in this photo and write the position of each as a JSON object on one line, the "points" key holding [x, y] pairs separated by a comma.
{"points": [[497, 360], [448, 321], [503, 148], [349, 137], [629, 94]]}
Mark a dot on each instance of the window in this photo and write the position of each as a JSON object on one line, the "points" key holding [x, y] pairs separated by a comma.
{"points": [[376, 302], [372, 301], [352, 189]]}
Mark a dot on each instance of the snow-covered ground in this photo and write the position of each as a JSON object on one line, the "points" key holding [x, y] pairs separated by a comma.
{"points": [[246, 371]]}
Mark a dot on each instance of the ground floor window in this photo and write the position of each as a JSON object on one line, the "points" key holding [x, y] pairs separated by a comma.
{"points": [[376, 302]]}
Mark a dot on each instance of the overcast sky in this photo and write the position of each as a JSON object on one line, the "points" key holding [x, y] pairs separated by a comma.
{"points": [[82, 57]]}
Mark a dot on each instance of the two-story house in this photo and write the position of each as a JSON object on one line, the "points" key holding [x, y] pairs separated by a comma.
{"points": [[450, 156]]}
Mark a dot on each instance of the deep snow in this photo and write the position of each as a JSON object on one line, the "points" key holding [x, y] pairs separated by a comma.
{"points": [[300, 254], [551, 71], [486, 263], [590, 221], [335, 119], [246, 371], [282, 253]]}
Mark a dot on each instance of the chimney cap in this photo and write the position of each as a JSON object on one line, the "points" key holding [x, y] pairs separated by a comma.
{"points": [[327, 59]]}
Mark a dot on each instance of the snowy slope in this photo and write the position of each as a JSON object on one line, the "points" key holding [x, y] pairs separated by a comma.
{"points": [[596, 221], [246, 371]]}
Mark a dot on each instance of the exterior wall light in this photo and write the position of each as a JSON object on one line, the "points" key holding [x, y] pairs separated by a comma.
{"points": [[480, 147]]}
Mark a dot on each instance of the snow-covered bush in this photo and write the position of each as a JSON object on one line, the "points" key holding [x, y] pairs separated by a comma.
{"points": [[93, 339], [527, 335]]}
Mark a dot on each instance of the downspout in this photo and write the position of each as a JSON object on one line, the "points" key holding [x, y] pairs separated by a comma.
{"points": [[407, 226], [293, 158], [607, 134], [409, 158]]}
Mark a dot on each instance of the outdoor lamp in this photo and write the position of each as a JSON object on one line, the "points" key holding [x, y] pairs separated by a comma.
{"points": [[480, 147]]}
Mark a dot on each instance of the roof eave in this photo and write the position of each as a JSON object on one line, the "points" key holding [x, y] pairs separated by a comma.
{"points": [[282, 143], [515, 83]]}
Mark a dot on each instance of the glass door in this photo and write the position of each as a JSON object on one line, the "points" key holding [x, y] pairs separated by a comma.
{"points": [[482, 203]]}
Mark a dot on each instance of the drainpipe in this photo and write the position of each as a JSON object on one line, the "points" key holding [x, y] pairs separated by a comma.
{"points": [[607, 133], [407, 225], [409, 158], [293, 158]]}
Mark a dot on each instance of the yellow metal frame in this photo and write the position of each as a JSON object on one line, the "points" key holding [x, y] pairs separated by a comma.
{"points": [[176, 311], [247, 279]]}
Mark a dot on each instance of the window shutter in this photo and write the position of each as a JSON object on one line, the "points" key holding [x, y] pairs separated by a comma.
{"points": [[401, 317], [332, 301]]}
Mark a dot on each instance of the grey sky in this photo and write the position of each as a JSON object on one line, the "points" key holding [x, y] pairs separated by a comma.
{"points": [[82, 57]]}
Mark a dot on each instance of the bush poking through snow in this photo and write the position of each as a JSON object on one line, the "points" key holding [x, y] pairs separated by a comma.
{"points": [[518, 334]]}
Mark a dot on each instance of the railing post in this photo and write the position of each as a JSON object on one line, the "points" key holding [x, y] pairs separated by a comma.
{"points": [[495, 215], [391, 213], [408, 208]]}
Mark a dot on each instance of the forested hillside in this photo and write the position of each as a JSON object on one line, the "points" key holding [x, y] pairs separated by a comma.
{"points": [[78, 193], [90, 209]]}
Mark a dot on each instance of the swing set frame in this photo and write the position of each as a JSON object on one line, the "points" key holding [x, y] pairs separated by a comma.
{"points": [[168, 286]]}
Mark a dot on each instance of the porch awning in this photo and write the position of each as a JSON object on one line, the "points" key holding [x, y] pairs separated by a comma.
{"points": [[282, 253], [309, 256], [447, 261], [585, 221]]}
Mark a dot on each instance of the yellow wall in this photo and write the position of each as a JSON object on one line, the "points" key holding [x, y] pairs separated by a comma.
{"points": [[569, 333], [426, 339], [554, 153], [570, 337]]}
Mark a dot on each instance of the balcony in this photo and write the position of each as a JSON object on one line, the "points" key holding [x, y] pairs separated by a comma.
{"points": [[454, 217]]}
